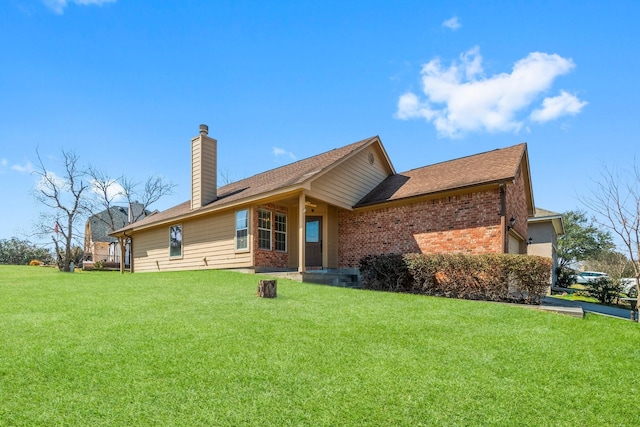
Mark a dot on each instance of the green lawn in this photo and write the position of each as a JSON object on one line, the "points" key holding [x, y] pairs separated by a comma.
{"points": [[200, 349]]}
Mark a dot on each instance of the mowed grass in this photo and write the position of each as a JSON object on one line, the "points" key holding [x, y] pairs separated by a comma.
{"points": [[200, 349]]}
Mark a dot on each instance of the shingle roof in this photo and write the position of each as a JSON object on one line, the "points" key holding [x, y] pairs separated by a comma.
{"points": [[100, 223], [543, 213], [272, 180], [492, 166]]}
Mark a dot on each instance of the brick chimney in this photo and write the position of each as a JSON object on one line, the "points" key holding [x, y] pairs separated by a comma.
{"points": [[204, 169]]}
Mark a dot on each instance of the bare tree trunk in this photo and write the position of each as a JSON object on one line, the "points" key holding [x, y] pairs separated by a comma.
{"points": [[267, 288]]}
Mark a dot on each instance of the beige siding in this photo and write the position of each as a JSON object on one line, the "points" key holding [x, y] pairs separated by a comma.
{"points": [[332, 241], [208, 243], [292, 236], [203, 171], [196, 179], [209, 170], [346, 184]]}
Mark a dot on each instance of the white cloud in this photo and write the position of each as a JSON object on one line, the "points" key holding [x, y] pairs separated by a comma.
{"points": [[58, 6], [558, 106], [26, 168], [459, 99], [452, 23], [51, 180], [282, 152], [4, 163], [115, 191]]}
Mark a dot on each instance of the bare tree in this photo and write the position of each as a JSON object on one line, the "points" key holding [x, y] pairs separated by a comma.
{"points": [[64, 196], [616, 200], [154, 188], [614, 263], [109, 192]]}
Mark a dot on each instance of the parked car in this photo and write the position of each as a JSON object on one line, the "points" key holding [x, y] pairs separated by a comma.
{"points": [[628, 285], [589, 276]]}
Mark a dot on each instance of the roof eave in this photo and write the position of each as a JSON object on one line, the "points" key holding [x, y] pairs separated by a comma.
{"points": [[436, 194], [210, 209]]}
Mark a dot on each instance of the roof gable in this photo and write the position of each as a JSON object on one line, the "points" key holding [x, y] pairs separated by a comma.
{"points": [[484, 168], [555, 218]]}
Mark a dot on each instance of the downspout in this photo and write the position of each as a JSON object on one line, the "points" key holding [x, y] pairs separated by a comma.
{"points": [[503, 217], [130, 253]]}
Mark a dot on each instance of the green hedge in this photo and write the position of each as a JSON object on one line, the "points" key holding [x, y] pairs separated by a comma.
{"points": [[491, 277]]}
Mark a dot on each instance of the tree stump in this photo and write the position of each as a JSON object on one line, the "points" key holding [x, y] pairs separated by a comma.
{"points": [[267, 288]]}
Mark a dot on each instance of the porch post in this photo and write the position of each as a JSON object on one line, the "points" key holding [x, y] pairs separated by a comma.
{"points": [[122, 242], [301, 232]]}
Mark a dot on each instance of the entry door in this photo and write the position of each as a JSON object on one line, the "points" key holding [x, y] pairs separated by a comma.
{"points": [[313, 244]]}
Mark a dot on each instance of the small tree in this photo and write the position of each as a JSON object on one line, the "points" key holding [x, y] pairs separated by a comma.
{"points": [[110, 191], [616, 200], [604, 289], [64, 197], [582, 239]]}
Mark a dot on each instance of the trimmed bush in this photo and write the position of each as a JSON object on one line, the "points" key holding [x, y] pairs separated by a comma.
{"points": [[565, 277], [490, 277], [387, 272], [604, 290]]}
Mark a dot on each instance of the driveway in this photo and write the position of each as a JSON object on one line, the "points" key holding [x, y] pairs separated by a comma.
{"points": [[588, 307]]}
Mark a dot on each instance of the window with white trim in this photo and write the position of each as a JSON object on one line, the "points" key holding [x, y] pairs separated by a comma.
{"points": [[281, 232], [175, 241], [264, 230], [242, 230]]}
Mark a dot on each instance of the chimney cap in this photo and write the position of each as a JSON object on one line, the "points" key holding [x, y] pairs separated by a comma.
{"points": [[204, 130]]}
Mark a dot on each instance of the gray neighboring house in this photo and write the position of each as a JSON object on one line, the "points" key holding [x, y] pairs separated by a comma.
{"points": [[543, 229], [98, 245]]}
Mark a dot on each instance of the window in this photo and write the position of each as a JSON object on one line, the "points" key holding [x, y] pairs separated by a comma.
{"points": [[281, 232], [175, 241], [264, 230], [242, 229]]}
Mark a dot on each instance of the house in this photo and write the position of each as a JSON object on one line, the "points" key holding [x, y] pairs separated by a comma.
{"points": [[544, 228], [328, 211], [98, 244]]}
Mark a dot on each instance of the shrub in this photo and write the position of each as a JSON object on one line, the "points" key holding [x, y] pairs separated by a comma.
{"points": [[386, 272], [35, 262], [565, 277], [491, 277], [604, 289], [98, 265]]}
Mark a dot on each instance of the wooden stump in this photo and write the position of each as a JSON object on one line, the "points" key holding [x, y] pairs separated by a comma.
{"points": [[267, 288]]}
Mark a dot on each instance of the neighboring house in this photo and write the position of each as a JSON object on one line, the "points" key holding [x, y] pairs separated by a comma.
{"points": [[330, 210], [98, 244], [544, 228]]}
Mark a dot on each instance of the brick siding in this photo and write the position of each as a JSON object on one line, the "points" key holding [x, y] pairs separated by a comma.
{"points": [[467, 223], [269, 258]]}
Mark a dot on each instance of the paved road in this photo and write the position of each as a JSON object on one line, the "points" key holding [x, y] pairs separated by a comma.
{"points": [[588, 307]]}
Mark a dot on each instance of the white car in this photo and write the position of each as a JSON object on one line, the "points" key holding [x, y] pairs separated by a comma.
{"points": [[589, 276], [628, 285]]}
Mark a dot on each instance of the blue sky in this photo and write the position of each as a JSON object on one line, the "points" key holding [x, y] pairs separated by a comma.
{"points": [[125, 84]]}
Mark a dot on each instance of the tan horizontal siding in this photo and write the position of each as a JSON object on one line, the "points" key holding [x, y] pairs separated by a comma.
{"points": [[207, 243], [196, 182], [351, 181]]}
